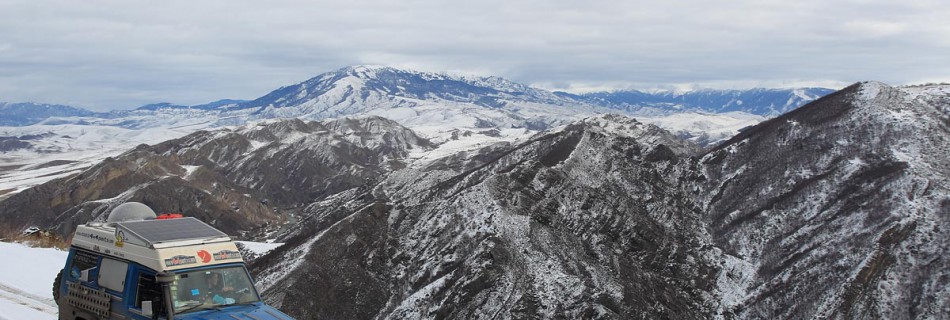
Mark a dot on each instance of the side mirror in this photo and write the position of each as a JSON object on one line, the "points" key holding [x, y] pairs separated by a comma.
{"points": [[147, 309]]}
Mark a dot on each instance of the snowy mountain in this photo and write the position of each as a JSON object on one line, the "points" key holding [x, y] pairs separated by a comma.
{"points": [[834, 210], [757, 101], [55, 141], [436, 103], [32, 155], [705, 129], [831, 211], [417, 99], [579, 222], [837, 209], [334, 92], [240, 180], [224, 103], [26, 113]]}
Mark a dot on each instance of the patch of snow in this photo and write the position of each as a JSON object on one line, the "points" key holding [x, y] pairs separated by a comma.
{"points": [[466, 140], [854, 165], [26, 281], [857, 162], [903, 156], [257, 144], [412, 307], [189, 170], [260, 248], [734, 281], [870, 90], [13, 308], [716, 127], [80, 145], [801, 94]]}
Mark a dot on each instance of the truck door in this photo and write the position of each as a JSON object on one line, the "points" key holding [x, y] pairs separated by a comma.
{"points": [[146, 289], [81, 271], [95, 287], [113, 275]]}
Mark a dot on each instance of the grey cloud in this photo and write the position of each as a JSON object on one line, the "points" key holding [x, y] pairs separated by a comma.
{"points": [[110, 54]]}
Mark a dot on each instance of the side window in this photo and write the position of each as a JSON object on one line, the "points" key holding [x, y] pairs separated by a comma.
{"points": [[82, 261], [112, 274], [149, 290]]}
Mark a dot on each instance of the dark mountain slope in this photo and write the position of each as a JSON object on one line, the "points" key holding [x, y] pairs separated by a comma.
{"points": [[238, 180], [838, 209], [579, 223]]}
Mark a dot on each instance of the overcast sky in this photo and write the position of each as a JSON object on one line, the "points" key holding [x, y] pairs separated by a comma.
{"points": [[121, 54]]}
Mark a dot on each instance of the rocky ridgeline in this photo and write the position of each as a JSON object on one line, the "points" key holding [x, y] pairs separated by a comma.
{"points": [[835, 210], [244, 181]]}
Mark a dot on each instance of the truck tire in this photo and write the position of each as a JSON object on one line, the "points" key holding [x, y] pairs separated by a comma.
{"points": [[56, 285]]}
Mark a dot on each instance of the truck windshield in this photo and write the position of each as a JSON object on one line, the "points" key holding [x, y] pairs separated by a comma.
{"points": [[212, 288]]}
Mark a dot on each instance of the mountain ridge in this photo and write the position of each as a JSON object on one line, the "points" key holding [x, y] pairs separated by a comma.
{"points": [[826, 212], [861, 185], [760, 101], [456, 88], [835, 210]]}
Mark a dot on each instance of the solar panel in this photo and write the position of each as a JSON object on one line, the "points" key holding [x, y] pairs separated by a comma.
{"points": [[157, 231]]}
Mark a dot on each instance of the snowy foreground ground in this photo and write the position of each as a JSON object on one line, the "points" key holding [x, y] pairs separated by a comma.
{"points": [[26, 281]]}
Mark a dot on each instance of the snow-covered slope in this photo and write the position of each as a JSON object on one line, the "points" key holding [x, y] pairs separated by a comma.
{"points": [[48, 152], [62, 140], [835, 210], [26, 281], [578, 222], [420, 98], [705, 129], [244, 180], [838, 209]]}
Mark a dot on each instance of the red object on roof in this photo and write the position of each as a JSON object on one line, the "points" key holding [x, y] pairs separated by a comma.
{"points": [[169, 216]]}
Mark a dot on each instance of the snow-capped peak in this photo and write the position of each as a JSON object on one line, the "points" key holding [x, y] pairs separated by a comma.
{"points": [[869, 90], [365, 71], [367, 67]]}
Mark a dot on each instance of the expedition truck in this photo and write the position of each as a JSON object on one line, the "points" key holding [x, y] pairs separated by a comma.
{"points": [[137, 265]]}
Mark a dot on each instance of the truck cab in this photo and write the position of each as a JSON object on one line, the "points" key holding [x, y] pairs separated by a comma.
{"points": [[139, 266]]}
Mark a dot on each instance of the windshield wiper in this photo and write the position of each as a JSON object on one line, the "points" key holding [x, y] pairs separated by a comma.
{"points": [[190, 308], [220, 306]]}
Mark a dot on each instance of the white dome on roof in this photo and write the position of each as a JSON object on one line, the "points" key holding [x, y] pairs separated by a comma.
{"points": [[130, 211]]}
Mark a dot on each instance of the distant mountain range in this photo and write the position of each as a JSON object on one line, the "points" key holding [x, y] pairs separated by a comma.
{"points": [[441, 107], [207, 106], [348, 87], [383, 90], [759, 101], [27, 113]]}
